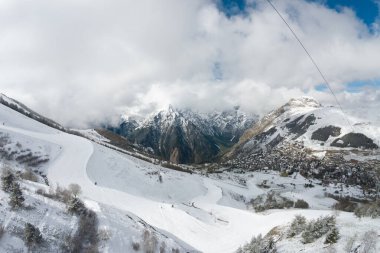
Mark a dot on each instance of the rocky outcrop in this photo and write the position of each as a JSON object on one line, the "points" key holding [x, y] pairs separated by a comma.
{"points": [[354, 140], [324, 133], [299, 126]]}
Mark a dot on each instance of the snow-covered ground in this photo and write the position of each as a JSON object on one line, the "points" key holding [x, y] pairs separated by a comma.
{"points": [[199, 213]]}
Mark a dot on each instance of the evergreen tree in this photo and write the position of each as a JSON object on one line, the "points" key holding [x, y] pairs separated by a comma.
{"points": [[297, 226], [317, 228], [333, 236], [32, 235], [7, 179], [16, 199], [259, 244]]}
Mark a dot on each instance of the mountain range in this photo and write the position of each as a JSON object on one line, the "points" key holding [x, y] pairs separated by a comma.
{"points": [[185, 136]]}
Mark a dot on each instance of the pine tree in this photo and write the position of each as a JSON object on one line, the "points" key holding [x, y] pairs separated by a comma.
{"points": [[259, 244], [32, 235], [333, 236], [317, 228], [298, 225], [16, 199], [7, 179], [270, 246]]}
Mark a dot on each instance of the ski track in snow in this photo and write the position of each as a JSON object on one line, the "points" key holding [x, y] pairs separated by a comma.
{"points": [[229, 228]]}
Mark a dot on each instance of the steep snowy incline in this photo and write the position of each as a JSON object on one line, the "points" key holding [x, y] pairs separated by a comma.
{"points": [[9, 117], [222, 228]]}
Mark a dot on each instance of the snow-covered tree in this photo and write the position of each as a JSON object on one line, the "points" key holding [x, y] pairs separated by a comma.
{"points": [[75, 206], [333, 236], [315, 229], [297, 226], [150, 241], [16, 199], [2, 230], [369, 241], [75, 189], [300, 203], [32, 235], [369, 210], [259, 244], [7, 179]]}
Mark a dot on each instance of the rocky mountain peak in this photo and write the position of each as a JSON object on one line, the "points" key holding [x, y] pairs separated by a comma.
{"points": [[186, 135], [171, 109], [303, 102], [170, 113]]}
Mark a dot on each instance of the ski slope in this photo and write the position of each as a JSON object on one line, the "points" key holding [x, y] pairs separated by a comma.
{"points": [[184, 206]]}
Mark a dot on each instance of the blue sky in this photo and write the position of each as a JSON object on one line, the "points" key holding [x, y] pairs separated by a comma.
{"points": [[355, 86], [232, 7], [366, 10]]}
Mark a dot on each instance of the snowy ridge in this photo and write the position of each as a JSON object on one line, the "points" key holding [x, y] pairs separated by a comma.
{"points": [[303, 102], [304, 120], [212, 123], [21, 108]]}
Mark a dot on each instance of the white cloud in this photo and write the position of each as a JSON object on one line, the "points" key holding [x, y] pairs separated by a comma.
{"points": [[82, 61]]}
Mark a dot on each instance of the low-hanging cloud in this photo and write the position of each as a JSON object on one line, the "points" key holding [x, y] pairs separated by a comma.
{"points": [[83, 62]]}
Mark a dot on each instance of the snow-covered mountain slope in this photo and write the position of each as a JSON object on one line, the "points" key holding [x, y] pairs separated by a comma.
{"points": [[189, 212], [317, 127], [66, 151], [21, 108], [185, 136]]}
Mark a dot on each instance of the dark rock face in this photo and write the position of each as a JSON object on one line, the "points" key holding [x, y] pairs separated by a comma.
{"points": [[269, 139], [299, 127], [184, 136], [322, 134], [126, 128], [354, 140], [177, 144], [276, 141], [265, 135]]}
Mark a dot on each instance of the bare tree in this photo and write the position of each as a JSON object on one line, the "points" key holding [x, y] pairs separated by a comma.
{"points": [[350, 243], [369, 241], [75, 189]]}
